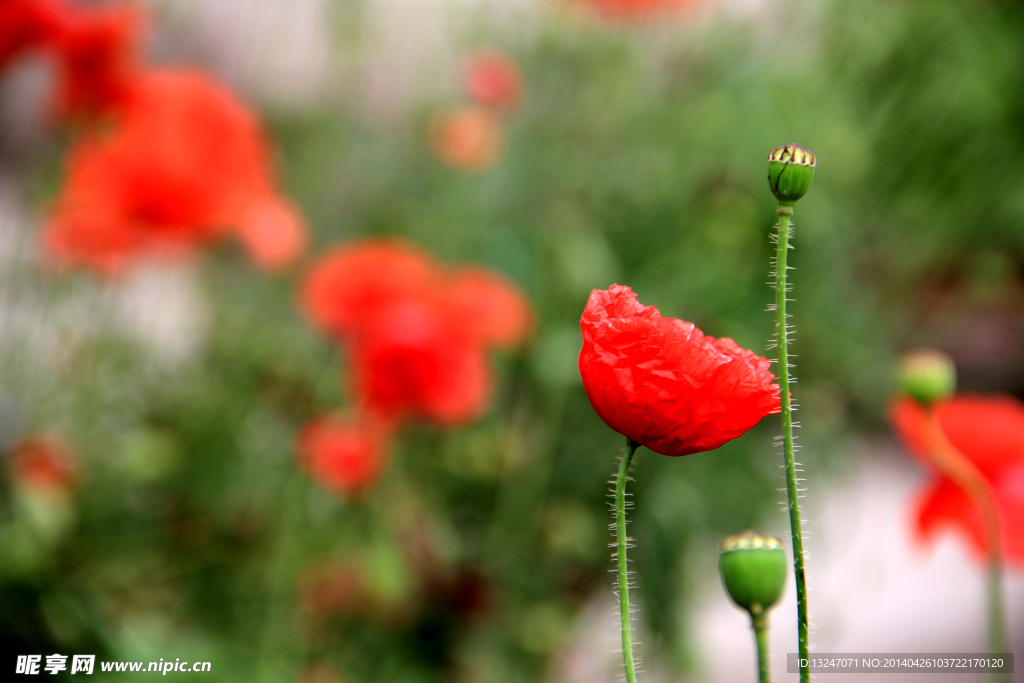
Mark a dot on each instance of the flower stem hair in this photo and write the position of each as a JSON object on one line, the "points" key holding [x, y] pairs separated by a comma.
{"points": [[781, 165], [621, 544]]}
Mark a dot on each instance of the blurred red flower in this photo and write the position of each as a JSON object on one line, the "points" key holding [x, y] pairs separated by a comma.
{"points": [[27, 24], [348, 283], [989, 432], [493, 80], [99, 57], [183, 164], [491, 307], [469, 137], [95, 48], [419, 356], [417, 333], [632, 9], [43, 462], [345, 454], [662, 383]]}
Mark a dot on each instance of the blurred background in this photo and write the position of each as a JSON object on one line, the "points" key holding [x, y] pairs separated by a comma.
{"points": [[632, 150]]}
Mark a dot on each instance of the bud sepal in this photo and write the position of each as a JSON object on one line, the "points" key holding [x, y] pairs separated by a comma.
{"points": [[927, 376], [753, 568], [790, 172]]}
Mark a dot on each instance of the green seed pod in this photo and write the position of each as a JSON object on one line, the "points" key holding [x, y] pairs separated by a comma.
{"points": [[790, 172], [753, 567], [927, 375]]}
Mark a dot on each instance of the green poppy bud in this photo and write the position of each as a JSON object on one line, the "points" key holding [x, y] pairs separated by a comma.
{"points": [[790, 172], [927, 375], [753, 567]]}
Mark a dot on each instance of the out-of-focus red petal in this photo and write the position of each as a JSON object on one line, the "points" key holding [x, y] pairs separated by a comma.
{"points": [[416, 358], [944, 505], [635, 9], [273, 231], [911, 424], [28, 24], [99, 54], [1009, 490], [493, 306], [43, 462], [345, 454], [493, 80], [348, 283], [989, 432], [661, 382], [180, 165], [469, 138]]}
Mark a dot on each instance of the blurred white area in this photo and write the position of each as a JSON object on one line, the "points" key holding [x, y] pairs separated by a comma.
{"points": [[276, 51], [296, 54], [413, 49], [873, 588], [159, 306], [163, 307]]}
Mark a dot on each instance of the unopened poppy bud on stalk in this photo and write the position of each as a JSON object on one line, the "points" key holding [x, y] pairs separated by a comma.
{"points": [[927, 375], [753, 567], [790, 172]]}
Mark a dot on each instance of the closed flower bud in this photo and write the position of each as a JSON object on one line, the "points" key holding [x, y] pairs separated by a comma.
{"points": [[753, 567], [927, 375], [790, 172]]}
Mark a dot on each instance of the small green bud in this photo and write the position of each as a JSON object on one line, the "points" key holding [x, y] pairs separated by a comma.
{"points": [[790, 172], [927, 375], [753, 567]]}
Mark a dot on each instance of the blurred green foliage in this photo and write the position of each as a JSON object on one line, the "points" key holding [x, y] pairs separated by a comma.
{"points": [[639, 158]]}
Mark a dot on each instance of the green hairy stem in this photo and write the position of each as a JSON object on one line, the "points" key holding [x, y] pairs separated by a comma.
{"points": [[792, 490], [621, 544]]}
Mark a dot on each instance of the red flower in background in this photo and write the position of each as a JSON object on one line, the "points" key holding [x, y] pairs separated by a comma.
{"points": [[43, 463], [184, 163], [632, 9], [491, 307], [989, 432], [346, 455], [469, 137], [95, 48], [417, 333], [26, 25], [662, 383], [348, 284], [418, 356], [98, 53], [493, 80]]}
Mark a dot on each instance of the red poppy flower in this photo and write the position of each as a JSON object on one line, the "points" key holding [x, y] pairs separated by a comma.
{"points": [[623, 9], [493, 80], [43, 462], [98, 54], [184, 163], [662, 383], [348, 283], [417, 333], [345, 455], [989, 432], [468, 138], [27, 24], [493, 307], [419, 357]]}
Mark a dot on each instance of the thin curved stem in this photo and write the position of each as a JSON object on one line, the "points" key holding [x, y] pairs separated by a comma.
{"points": [[795, 522], [966, 475], [622, 542], [760, 625]]}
